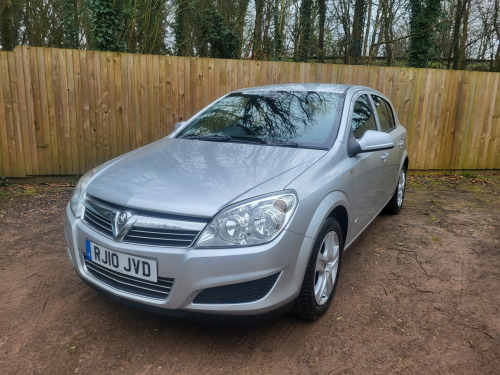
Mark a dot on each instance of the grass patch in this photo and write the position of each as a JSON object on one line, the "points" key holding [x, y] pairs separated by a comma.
{"points": [[468, 175]]}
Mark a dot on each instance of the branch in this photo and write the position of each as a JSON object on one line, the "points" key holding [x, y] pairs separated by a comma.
{"points": [[410, 35]]}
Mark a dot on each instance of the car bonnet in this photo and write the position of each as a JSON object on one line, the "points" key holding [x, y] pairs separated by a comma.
{"points": [[197, 178]]}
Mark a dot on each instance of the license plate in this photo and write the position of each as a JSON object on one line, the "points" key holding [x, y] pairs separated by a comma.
{"points": [[131, 265]]}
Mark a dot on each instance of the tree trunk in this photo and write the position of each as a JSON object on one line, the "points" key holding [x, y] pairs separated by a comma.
{"points": [[455, 43], [183, 46], [463, 38], [358, 25], [257, 30], [6, 37], [496, 27], [387, 25], [373, 48], [321, 34], [70, 24], [305, 30], [367, 32], [423, 15]]}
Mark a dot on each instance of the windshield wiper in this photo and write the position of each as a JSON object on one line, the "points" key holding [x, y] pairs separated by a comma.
{"points": [[239, 139], [283, 143], [258, 141], [208, 137], [225, 138]]}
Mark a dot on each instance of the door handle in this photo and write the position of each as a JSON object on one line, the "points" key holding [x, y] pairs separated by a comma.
{"points": [[401, 143], [384, 156]]}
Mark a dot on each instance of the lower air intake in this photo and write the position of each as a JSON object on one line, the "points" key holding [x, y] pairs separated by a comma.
{"points": [[249, 291]]}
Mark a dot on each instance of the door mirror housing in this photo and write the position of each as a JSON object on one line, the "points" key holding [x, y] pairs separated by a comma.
{"points": [[370, 141]]}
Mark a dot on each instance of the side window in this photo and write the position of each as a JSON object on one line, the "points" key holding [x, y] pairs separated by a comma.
{"points": [[362, 117], [384, 113]]}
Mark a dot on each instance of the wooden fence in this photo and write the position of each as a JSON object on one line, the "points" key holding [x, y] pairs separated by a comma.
{"points": [[64, 111]]}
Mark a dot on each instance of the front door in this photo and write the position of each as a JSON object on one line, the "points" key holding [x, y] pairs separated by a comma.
{"points": [[368, 168]]}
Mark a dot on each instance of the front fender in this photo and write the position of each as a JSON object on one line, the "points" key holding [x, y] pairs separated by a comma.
{"points": [[324, 209]]}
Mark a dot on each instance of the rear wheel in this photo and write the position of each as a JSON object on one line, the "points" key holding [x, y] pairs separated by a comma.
{"points": [[394, 205], [322, 273]]}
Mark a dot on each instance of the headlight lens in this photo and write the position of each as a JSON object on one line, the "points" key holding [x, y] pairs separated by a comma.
{"points": [[251, 223], [76, 202]]}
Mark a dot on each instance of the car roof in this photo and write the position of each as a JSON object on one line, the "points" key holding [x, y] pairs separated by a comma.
{"points": [[319, 87]]}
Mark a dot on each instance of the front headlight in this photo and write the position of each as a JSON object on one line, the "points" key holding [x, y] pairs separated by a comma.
{"points": [[76, 202], [250, 223]]}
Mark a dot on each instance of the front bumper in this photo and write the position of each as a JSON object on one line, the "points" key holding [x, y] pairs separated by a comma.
{"points": [[197, 273]]}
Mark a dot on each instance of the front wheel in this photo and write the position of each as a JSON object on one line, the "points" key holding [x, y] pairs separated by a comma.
{"points": [[322, 272]]}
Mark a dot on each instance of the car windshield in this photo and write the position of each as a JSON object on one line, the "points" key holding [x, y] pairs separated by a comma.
{"points": [[283, 118]]}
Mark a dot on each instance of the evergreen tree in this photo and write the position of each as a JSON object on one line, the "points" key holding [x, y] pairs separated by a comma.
{"points": [[423, 17], [305, 30], [106, 25]]}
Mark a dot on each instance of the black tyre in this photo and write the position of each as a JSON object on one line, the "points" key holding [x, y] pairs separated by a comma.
{"points": [[394, 205], [322, 273]]}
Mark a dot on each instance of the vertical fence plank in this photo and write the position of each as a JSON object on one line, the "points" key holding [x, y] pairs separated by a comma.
{"points": [[71, 108], [436, 100], [44, 124], [60, 96], [140, 121], [174, 92], [27, 106], [161, 101], [5, 163], [493, 154], [179, 83], [104, 106], [118, 103], [85, 110], [38, 121], [9, 120], [112, 108], [150, 89], [186, 99], [18, 117], [50, 78], [200, 87], [97, 136], [124, 88], [128, 94], [475, 119], [79, 163]]}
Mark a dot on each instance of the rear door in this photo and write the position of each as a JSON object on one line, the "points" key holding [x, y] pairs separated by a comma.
{"points": [[387, 123]]}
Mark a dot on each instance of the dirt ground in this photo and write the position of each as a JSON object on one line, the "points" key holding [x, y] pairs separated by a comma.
{"points": [[419, 293]]}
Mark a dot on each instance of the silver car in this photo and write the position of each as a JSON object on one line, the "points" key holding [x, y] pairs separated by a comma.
{"points": [[246, 208]]}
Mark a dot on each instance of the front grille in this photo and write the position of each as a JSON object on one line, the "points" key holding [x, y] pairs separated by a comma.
{"points": [[160, 237], [159, 290], [153, 230], [99, 222], [249, 291]]}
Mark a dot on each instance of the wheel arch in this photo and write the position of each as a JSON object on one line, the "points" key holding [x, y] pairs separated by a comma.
{"points": [[336, 205], [406, 162], [340, 214]]}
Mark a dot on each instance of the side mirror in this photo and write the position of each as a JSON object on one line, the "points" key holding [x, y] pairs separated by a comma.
{"points": [[178, 125], [370, 141]]}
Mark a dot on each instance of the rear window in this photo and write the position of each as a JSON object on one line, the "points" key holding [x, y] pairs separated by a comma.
{"points": [[300, 118]]}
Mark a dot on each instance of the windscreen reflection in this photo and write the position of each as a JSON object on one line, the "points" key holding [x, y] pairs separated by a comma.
{"points": [[288, 118]]}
